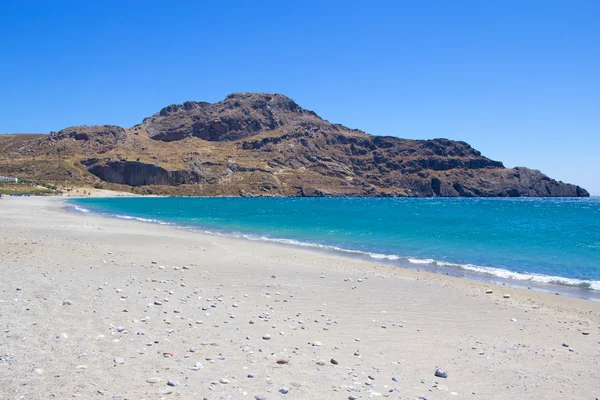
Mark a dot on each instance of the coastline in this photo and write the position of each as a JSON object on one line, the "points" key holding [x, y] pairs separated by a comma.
{"points": [[570, 286], [51, 257]]}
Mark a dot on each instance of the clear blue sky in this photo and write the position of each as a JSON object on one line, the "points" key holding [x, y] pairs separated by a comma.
{"points": [[519, 80]]}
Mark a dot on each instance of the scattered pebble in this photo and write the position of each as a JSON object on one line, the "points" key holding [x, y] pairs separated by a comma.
{"points": [[440, 373], [197, 366]]}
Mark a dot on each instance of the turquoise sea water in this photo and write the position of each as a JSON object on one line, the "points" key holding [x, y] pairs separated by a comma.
{"points": [[539, 240]]}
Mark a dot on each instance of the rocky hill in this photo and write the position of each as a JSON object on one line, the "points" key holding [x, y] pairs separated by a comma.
{"points": [[256, 144]]}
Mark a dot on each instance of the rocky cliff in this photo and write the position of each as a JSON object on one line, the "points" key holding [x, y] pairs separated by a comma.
{"points": [[255, 144]]}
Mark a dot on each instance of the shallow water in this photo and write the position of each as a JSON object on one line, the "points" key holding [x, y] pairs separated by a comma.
{"points": [[535, 240]]}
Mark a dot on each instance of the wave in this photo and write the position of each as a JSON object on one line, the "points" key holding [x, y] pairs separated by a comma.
{"points": [[80, 209], [478, 269], [512, 275], [154, 221]]}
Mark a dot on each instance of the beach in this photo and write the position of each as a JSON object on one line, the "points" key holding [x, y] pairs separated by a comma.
{"points": [[95, 307]]}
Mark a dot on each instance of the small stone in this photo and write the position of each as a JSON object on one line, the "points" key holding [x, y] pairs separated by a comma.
{"points": [[585, 333], [396, 379], [224, 381], [283, 361], [440, 373], [197, 366], [321, 362], [284, 390], [316, 343], [67, 303], [266, 337], [506, 296], [157, 303], [565, 344], [119, 360], [153, 380], [165, 391], [260, 397], [173, 382], [334, 361], [489, 291], [250, 375]]}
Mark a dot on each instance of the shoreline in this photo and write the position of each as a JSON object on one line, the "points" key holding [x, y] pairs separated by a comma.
{"points": [[468, 271], [79, 307]]}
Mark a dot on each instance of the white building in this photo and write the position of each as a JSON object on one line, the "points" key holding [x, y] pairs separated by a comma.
{"points": [[7, 179]]}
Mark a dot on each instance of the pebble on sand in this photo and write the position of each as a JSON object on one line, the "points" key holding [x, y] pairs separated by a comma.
{"points": [[266, 337], [153, 380], [440, 373], [284, 390], [197, 366], [334, 361], [506, 296]]}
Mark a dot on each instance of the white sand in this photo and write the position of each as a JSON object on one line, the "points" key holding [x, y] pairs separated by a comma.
{"points": [[104, 269]]}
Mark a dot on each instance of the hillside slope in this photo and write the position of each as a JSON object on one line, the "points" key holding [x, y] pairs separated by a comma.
{"points": [[256, 144]]}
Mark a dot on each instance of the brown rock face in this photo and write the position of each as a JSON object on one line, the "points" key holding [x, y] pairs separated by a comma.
{"points": [[240, 115], [257, 144]]}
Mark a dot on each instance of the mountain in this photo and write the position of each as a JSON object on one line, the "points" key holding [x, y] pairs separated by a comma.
{"points": [[258, 144]]}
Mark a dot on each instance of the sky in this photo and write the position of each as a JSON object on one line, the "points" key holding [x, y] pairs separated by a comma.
{"points": [[518, 80]]}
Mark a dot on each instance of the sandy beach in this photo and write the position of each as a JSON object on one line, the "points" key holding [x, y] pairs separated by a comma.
{"points": [[96, 308]]}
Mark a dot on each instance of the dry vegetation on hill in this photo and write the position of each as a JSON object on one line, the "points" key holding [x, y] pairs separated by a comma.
{"points": [[254, 144]]}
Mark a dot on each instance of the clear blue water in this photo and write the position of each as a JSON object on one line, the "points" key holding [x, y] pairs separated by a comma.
{"points": [[539, 240]]}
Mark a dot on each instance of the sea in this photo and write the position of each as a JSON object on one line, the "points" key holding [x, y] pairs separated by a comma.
{"points": [[544, 242]]}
